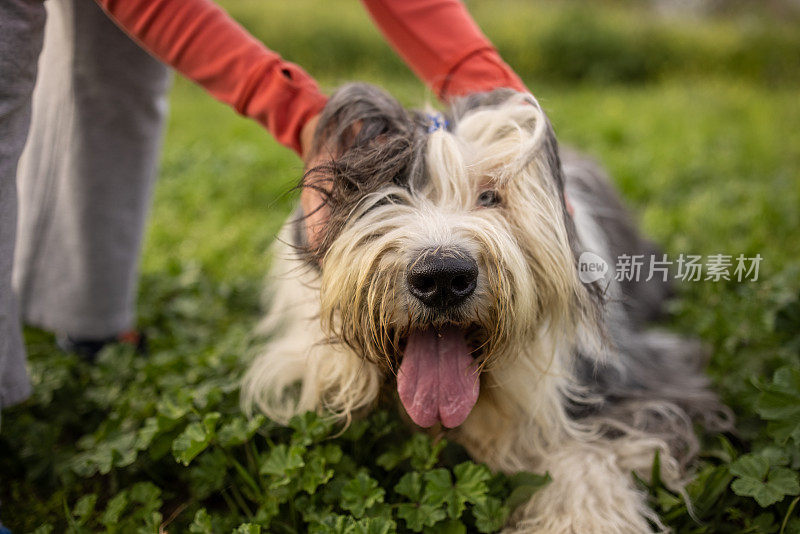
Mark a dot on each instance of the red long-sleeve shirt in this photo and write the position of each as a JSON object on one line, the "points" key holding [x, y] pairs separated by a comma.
{"points": [[441, 43], [437, 38]]}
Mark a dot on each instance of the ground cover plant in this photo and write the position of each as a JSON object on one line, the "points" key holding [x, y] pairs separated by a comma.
{"points": [[695, 118]]}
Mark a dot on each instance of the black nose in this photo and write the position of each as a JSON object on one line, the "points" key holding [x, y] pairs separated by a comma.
{"points": [[442, 278]]}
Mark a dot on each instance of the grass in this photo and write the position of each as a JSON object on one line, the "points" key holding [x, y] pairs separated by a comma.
{"points": [[697, 123]]}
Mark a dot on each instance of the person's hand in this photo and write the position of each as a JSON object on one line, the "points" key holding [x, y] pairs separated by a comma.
{"points": [[312, 200]]}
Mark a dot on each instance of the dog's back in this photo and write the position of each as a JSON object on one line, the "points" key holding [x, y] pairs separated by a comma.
{"points": [[653, 370]]}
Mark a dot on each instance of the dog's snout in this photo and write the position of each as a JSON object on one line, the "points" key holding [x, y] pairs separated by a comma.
{"points": [[443, 278]]}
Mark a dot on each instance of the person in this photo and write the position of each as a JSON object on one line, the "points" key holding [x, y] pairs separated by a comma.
{"points": [[96, 119]]}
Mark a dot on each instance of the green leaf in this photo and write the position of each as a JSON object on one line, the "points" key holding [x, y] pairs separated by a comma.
{"points": [[471, 481], [438, 487], [194, 439], [750, 466], [419, 449], [523, 486], [728, 452], [123, 448], [410, 485], [708, 487], [314, 474], [390, 459], [333, 524], [787, 322], [152, 522], [145, 435], [666, 500], [311, 510], [332, 453], [356, 430], [655, 471], [83, 508], [360, 493], [332, 491], [147, 494], [283, 460], [238, 430], [99, 460], [448, 527], [381, 424], [756, 479], [418, 516], [470, 486], [789, 513], [422, 451], [114, 509], [310, 428], [201, 524], [247, 528], [784, 480], [777, 456], [763, 523], [269, 508], [174, 406], [374, 525], [779, 404], [207, 395], [208, 474], [439, 490], [490, 514]]}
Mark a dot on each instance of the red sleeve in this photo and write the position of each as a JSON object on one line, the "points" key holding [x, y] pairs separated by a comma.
{"points": [[443, 46], [201, 41]]}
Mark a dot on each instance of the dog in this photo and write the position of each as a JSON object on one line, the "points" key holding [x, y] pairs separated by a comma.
{"points": [[447, 279]]}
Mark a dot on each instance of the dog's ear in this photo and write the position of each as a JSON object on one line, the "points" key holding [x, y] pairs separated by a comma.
{"points": [[356, 115], [364, 140]]}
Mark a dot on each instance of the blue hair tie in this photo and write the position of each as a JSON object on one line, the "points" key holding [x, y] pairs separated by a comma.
{"points": [[437, 122]]}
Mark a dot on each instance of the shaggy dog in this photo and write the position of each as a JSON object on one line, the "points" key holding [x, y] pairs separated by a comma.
{"points": [[447, 278]]}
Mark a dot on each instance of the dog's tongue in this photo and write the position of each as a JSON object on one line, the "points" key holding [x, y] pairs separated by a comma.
{"points": [[437, 381]]}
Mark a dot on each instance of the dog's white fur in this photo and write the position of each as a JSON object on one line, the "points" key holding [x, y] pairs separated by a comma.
{"points": [[536, 310]]}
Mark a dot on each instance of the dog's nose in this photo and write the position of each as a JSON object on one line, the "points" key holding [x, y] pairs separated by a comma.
{"points": [[443, 278]]}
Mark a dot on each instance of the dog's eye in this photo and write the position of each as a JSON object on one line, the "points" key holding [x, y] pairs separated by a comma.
{"points": [[488, 198]]}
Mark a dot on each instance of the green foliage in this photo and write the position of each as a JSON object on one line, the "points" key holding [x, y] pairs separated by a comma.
{"points": [[779, 403], [168, 446], [755, 492], [703, 142], [758, 480]]}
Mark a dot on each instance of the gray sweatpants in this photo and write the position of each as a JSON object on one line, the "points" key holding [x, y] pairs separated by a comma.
{"points": [[84, 178]]}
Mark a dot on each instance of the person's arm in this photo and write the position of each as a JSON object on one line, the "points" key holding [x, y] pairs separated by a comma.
{"points": [[444, 47], [202, 42]]}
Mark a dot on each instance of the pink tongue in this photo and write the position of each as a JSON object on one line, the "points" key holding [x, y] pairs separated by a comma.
{"points": [[437, 381]]}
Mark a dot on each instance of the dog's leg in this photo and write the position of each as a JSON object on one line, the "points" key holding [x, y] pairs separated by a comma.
{"points": [[592, 492]]}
